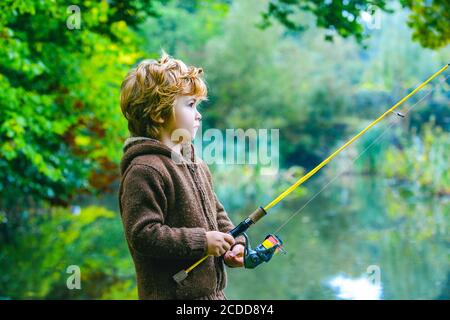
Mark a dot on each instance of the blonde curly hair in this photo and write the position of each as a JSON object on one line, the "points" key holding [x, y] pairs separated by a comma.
{"points": [[148, 93]]}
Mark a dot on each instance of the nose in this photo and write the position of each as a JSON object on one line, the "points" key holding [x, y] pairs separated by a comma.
{"points": [[198, 116]]}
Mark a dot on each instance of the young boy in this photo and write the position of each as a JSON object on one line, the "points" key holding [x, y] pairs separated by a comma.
{"points": [[170, 212]]}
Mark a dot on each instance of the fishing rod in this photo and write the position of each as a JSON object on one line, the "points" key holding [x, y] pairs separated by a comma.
{"points": [[272, 243]]}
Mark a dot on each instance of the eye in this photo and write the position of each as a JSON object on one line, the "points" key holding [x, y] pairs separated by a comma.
{"points": [[191, 104]]}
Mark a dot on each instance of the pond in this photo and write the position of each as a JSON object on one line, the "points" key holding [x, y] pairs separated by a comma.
{"points": [[360, 238]]}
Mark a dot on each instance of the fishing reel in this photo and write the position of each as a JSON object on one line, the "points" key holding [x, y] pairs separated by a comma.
{"points": [[263, 252]]}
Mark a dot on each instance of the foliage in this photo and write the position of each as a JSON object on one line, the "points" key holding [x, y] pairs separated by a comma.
{"points": [[187, 26], [338, 17], [428, 19], [421, 161], [61, 127], [35, 264]]}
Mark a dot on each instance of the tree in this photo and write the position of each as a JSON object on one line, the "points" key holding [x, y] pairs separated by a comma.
{"points": [[430, 20], [60, 73]]}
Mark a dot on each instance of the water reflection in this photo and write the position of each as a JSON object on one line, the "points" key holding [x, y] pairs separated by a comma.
{"points": [[359, 221], [355, 289]]}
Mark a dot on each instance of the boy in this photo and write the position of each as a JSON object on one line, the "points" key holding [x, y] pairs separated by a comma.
{"points": [[169, 210]]}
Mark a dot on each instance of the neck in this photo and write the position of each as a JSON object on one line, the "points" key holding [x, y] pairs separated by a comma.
{"points": [[165, 139]]}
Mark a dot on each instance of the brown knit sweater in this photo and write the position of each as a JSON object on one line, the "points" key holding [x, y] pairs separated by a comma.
{"points": [[166, 209]]}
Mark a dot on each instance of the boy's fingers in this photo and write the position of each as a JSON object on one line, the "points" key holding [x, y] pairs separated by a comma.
{"points": [[239, 253], [226, 246], [229, 238], [223, 248], [238, 260]]}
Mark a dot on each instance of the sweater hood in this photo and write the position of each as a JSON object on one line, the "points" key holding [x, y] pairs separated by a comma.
{"points": [[139, 146]]}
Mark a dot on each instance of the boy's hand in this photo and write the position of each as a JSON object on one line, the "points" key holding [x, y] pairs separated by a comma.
{"points": [[235, 257], [218, 242]]}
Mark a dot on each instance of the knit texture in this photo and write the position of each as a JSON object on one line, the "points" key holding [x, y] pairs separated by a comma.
{"points": [[167, 204]]}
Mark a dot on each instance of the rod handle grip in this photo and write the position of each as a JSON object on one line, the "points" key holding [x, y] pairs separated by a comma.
{"points": [[258, 214]]}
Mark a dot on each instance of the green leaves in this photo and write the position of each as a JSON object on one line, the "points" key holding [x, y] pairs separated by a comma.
{"points": [[429, 20], [35, 265], [337, 17], [59, 114], [422, 160]]}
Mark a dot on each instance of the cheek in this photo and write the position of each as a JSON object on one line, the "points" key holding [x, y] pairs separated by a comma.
{"points": [[186, 116]]}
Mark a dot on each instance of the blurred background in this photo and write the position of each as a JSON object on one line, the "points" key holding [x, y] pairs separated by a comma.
{"points": [[319, 71]]}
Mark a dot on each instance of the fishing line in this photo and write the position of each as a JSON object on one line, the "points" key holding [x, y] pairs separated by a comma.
{"points": [[394, 121]]}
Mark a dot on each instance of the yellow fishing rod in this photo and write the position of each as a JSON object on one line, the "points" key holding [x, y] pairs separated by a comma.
{"points": [[262, 211]]}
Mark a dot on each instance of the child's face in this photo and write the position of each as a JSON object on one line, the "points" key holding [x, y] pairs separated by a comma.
{"points": [[186, 115]]}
